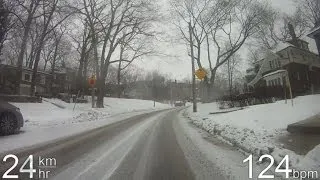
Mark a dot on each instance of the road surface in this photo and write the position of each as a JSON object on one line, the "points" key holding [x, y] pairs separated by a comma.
{"points": [[149, 146]]}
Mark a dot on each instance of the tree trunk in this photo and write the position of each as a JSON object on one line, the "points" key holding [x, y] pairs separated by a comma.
{"points": [[21, 53], [79, 82], [39, 48], [229, 77], [119, 80], [27, 28], [210, 84], [35, 69], [85, 71], [53, 66], [101, 92]]}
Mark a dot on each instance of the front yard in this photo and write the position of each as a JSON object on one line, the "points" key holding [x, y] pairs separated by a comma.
{"points": [[256, 129]]}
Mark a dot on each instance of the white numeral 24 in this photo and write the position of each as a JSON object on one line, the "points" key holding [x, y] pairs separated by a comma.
{"points": [[277, 170], [31, 171]]}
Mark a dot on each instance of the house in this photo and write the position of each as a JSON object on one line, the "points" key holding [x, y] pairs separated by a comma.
{"points": [[292, 58], [61, 81], [64, 81], [315, 34]]}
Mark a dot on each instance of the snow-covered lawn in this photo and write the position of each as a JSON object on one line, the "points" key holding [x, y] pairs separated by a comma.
{"points": [[46, 121], [54, 112], [255, 129]]}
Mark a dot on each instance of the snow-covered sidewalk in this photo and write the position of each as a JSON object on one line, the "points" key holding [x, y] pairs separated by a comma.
{"points": [[46, 121], [255, 130]]}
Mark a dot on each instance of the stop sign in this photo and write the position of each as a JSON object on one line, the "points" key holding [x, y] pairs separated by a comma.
{"points": [[92, 81]]}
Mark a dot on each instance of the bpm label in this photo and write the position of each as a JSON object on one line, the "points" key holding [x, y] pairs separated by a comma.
{"points": [[283, 167], [34, 169]]}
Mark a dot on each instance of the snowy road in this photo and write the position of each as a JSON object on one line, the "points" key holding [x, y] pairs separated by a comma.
{"points": [[145, 147]]}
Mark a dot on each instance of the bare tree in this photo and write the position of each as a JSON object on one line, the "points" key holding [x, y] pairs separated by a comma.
{"points": [[30, 10], [310, 11], [131, 48], [4, 22], [227, 25], [53, 14], [110, 23], [231, 68], [58, 51], [247, 16], [276, 30], [84, 49]]}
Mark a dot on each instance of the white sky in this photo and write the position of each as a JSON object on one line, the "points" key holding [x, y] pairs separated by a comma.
{"points": [[180, 67]]}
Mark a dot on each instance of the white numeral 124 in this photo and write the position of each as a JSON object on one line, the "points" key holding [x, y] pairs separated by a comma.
{"points": [[277, 170]]}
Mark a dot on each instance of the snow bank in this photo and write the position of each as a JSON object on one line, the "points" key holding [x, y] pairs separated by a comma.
{"points": [[255, 129], [54, 112], [312, 160]]}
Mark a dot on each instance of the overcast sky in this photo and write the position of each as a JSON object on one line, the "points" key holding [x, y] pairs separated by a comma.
{"points": [[178, 64]]}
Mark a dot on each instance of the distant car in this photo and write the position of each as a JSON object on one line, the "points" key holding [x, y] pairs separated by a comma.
{"points": [[11, 119], [179, 103]]}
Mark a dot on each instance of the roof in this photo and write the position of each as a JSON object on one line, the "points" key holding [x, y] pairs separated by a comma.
{"points": [[280, 46], [275, 72], [314, 31], [24, 68]]}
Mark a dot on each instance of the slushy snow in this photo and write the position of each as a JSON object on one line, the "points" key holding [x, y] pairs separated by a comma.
{"points": [[255, 129]]}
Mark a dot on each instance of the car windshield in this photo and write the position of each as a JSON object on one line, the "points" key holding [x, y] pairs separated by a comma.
{"points": [[159, 89]]}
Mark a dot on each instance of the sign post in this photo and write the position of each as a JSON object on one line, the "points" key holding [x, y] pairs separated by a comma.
{"points": [[194, 101], [201, 74], [92, 82]]}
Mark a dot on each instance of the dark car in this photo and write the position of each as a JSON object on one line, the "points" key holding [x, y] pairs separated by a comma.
{"points": [[179, 103], [11, 119]]}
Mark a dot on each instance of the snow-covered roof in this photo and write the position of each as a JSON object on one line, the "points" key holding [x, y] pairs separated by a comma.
{"points": [[275, 72], [314, 31], [280, 46]]}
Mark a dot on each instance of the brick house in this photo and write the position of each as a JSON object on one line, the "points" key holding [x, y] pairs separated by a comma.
{"points": [[302, 66], [62, 81]]}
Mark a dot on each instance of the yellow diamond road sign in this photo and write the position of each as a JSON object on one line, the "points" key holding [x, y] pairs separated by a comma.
{"points": [[201, 73]]}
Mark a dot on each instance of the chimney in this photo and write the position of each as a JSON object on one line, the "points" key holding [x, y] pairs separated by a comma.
{"points": [[295, 40], [292, 32]]}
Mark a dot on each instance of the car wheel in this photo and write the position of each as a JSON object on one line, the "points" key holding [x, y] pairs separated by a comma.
{"points": [[7, 123]]}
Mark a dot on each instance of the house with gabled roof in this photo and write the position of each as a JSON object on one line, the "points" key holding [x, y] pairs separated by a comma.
{"points": [[292, 59], [315, 34]]}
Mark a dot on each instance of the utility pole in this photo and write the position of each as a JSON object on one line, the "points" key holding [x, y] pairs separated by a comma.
{"points": [[171, 101], [194, 101], [290, 90]]}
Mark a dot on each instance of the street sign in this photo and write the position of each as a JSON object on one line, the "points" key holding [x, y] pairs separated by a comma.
{"points": [[92, 80], [201, 73]]}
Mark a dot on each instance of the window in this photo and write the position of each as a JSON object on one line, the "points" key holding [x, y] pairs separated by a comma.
{"points": [[27, 77], [270, 63], [42, 79], [298, 76], [307, 76], [279, 81], [279, 64]]}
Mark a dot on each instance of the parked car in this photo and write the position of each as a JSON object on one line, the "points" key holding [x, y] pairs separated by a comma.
{"points": [[179, 103], [11, 119]]}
